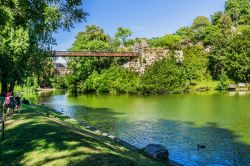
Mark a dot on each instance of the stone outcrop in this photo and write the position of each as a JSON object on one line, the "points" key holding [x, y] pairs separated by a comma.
{"points": [[156, 151], [147, 57], [186, 42], [208, 49], [178, 54]]}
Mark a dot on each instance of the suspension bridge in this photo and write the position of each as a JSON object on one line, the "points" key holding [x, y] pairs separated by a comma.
{"points": [[93, 54]]}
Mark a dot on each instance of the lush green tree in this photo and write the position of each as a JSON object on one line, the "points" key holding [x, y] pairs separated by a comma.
{"points": [[92, 39], [239, 11], [184, 32], [243, 28], [26, 35], [48, 72], [223, 82], [171, 41], [155, 42], [237, 63], [199, 26], [58, 82], [92, 33], [195, 63], [200, 21], [164, 77], [230, 53], [122, 34], [211, 35], [4, 16], [225, 23], [113, 80], [219, 38], [15, 42], [167, 41], [216, 17], [219, 33]]}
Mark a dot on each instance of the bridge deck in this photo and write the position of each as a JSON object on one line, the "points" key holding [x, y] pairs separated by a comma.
{"points": [[94, 54]]}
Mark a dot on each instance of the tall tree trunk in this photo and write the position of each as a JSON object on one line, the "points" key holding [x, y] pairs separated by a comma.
{"points": [[12, 86], [4, 87]]}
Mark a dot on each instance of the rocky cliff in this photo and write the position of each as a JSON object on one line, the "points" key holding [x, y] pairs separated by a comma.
{"points": [[148, 56]]}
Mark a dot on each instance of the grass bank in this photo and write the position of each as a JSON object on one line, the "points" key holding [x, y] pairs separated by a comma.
{"points": [[33, 138]]}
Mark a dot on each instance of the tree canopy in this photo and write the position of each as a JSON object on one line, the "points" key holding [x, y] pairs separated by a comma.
{"points": [[122, 34], [26, 35], [239, 11], [92, 39], [167, 41]]}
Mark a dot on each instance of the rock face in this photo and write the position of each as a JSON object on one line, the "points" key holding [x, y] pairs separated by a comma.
{"points": [[186, 42], [208, 49], [156, 151], [147, 57], [179, 56]]}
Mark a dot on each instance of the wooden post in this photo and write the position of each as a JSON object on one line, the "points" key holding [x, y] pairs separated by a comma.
{"points": [[3, 123], [3, 126]]}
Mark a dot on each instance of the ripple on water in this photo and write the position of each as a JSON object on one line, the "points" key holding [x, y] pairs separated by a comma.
{"points": [[180, 138]]}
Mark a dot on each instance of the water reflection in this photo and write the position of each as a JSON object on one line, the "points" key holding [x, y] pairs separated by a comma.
{"points": [[179, 122], [101, 118], [222, 147]]}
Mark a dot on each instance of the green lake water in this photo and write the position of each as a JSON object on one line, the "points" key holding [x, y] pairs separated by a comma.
{"points": [[220, 121]]}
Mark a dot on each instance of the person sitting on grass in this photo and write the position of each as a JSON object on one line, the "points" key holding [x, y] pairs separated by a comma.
{"points": [[26, 101], [18, 102]]}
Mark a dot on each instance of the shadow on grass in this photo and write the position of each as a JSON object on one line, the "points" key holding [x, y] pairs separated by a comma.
{"points": [[34, 138], [104, 159], [100, 159]]}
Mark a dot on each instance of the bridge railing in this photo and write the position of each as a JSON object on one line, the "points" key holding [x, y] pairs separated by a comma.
{"points": [[93, 54]]}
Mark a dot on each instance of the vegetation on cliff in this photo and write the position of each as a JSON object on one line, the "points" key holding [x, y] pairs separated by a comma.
{"points": [[214, 50]]}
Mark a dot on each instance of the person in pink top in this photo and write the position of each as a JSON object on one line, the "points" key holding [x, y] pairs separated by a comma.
{"points": [[8, 103]]}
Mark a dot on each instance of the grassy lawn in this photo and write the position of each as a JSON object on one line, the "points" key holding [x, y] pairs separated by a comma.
{"points": [[33, 138]]}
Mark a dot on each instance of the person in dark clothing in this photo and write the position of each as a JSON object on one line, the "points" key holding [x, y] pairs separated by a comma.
{"points": [[18, 103], [12, 103], [26, 101]]}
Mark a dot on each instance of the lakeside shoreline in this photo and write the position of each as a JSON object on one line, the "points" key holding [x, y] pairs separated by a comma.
{"points": [[200, 87], [107, 135], [27, 130]]}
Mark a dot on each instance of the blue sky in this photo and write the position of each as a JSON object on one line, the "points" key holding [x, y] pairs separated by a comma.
{"points": [[146, 18]]}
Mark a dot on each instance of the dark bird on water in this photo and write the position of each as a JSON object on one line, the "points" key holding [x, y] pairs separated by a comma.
{"points": [[200, 146]]}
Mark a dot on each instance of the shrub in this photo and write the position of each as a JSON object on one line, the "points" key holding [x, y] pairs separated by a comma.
{"points": [[113, 80], [163, 77]]}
